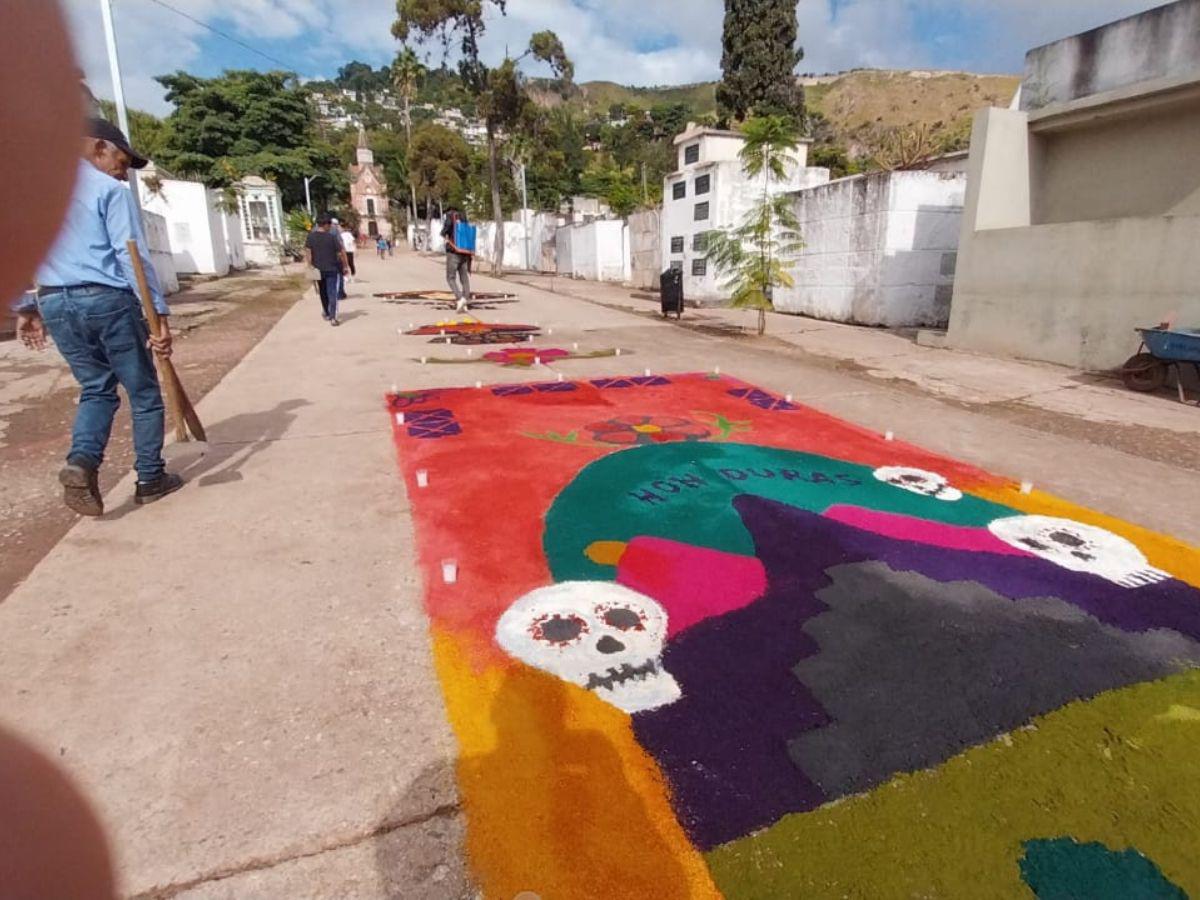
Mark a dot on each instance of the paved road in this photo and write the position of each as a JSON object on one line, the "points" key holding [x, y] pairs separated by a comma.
{"points": [[240, 677]]}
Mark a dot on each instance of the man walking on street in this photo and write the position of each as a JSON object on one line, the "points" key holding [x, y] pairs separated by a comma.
{"points": [[458, 265], [349, 244], [324, 252], [87, 299], [335, 228]]}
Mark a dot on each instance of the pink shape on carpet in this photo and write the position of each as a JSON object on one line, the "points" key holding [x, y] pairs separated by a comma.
{"points": [[692, 583], [921, 531]]}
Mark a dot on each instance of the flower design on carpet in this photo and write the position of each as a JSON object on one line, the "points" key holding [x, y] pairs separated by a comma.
{"points": [[409, 399], [526, 356], [630, 430], [431, 424]]}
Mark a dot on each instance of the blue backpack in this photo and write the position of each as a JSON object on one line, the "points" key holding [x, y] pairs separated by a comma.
{"points": [[464, 237]]}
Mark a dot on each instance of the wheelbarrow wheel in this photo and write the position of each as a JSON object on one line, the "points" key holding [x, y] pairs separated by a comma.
{"points": [[1144, 372]]}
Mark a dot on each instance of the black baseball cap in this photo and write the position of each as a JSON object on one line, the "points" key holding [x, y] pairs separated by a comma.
{"points": [[107, 131]]}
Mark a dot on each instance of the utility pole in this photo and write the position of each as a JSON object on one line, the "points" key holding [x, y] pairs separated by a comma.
{"points": [[308, 195], [645, 190], [114, 68]]}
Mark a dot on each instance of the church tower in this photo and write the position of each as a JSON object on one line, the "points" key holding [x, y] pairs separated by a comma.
{"points": [[365, 156], [369, 192]]}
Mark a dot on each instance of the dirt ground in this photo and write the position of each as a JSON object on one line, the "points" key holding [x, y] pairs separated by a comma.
{"points": [[216, 323]]}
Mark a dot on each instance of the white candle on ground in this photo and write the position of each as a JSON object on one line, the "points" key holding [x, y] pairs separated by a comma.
{"points": [[1026, 487], [399, 418], [422, 478], [449, 571], [889, 436]]}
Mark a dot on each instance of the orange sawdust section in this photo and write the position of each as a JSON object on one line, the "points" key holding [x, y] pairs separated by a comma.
{"points": [[559, 797]]}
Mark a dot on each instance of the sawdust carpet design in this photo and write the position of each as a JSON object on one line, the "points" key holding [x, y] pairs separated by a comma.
{"points": [[690, 615]]}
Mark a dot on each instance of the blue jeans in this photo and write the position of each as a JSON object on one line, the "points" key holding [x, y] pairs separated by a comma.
{"points": [[102, 335], [330, 288]]}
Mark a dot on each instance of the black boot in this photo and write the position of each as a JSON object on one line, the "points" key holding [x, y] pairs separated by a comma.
{"points": [[81, 488], [149, 491]]}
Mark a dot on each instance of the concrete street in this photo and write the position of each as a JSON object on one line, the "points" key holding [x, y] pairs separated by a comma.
{"points": [[240, 676]]}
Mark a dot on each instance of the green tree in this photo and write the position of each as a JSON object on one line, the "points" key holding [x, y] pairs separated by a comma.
{"points": [[439, 162], [407, 75], [244, 123], [499, 92], [758, 60], [751, 256], [362, 79], [148, 133]]}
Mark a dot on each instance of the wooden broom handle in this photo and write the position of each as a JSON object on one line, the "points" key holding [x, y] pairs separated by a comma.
{"points": [[166, 372]]}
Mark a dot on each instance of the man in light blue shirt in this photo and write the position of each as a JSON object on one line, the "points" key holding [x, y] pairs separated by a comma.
{"points": [[87, 299]]}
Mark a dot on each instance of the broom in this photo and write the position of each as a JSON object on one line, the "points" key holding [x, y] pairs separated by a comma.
{"points": [[183, 414]]}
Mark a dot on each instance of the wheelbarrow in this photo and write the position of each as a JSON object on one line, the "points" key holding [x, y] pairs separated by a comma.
{"points": [[1162, 348]]}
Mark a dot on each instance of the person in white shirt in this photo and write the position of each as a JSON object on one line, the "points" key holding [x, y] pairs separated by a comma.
{"points": [[350, 244]]}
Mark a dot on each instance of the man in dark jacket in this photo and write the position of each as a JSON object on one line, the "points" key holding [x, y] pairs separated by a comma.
{"points": [[458, 265], [323, 251]]}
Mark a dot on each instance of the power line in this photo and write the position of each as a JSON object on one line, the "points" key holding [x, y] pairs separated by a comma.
{"points": [[228, 37]]}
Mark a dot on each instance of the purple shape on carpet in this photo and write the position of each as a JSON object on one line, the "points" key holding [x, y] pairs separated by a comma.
{"points": [[631, 381], [512, 390], [723, 746], [555, 387], [431, 424], [761, 399]]}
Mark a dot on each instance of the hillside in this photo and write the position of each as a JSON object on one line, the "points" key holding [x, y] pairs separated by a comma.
{"points": [[853, 103], [860, 102]]}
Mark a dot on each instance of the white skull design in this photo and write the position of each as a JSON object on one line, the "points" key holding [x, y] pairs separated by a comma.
{"points": [[596, 634], [1080, 548], [918, 481]]}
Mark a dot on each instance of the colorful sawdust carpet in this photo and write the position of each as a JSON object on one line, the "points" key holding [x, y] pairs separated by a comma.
{"points": [[704, 641], [475, 332], [526, 357]]}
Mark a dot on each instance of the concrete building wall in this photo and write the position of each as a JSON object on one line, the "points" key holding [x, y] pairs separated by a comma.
{"points": [[1160, 43], [195, 228], [564, 249], [879, 249], [1144, 164], [158, 241], [730, 197], [1064, 292], [514, 244], [645, 248], [597, 251], [1073, 292], [235, 245]]}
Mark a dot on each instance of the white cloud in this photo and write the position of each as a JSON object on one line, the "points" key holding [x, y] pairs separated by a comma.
{"points": [[643, 42]]}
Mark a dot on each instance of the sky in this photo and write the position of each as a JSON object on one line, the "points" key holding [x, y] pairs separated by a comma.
{"points": [[638, 42]]}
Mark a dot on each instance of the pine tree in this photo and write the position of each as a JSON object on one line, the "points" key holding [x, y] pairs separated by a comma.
{"points": [[758, 60]]}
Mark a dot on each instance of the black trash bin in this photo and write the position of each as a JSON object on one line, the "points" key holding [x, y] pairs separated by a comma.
{"points": [[671, 287]]}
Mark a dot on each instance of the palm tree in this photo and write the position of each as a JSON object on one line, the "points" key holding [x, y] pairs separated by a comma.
{"points": [[407, 73], [751, 256]]}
